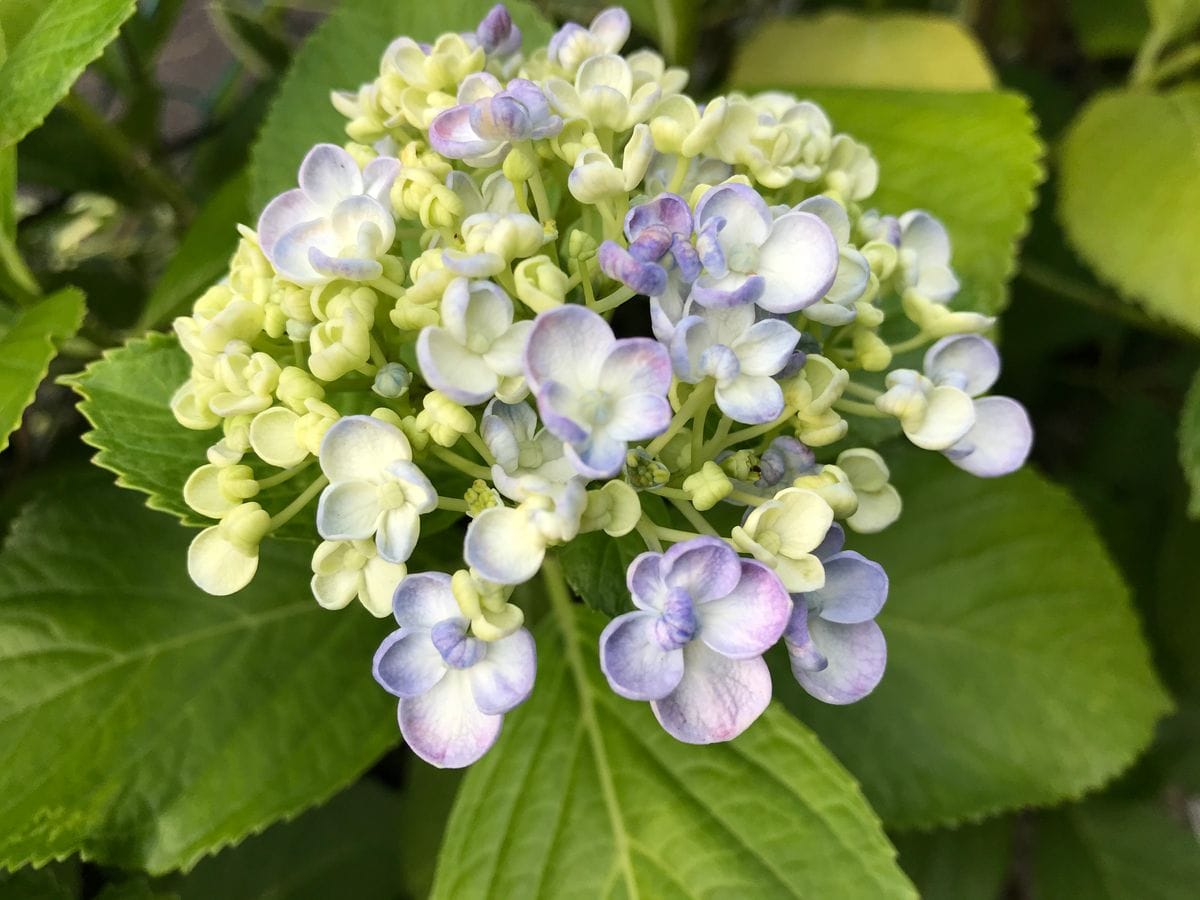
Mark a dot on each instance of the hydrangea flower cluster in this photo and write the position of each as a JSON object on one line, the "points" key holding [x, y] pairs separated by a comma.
{"points": [[541, 293]]}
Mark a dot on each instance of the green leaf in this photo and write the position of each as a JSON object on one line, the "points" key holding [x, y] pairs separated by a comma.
{"points": [[432, 791], [340, 55], [57, 41], [595, 565], [1017, 674], [910, 51], [1108, 28], [156, 723], [347, 848], [1116, 850], [56, 881], [671, 22], [1174, 18], [586, 795], [966, 863], [1189, 445], [970, 159], [1129, 185], [26, 349], [203, 254], [126, 398]]}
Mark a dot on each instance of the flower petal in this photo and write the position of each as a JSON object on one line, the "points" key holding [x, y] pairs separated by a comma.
{"points": [[568, 344], [329, 175], [348, 510], [337, 589], [751, 399], [999, 441], [452, 369], [444, 727], [636, 366], [765, 347], [600, 456], [706, 567], [948, 417], [855, 589], [503, 546], [746, 215], [634, 662], [856, 655], [380, 579], [398, 531], [424, 599], [289, 209], [879, 509], [645, 583], [750, 618], [361, 447], [966, 361], [407, 663], [639, 416], [717, 698], [798, 263], [273, 437], [217, 566], [504, 677]]}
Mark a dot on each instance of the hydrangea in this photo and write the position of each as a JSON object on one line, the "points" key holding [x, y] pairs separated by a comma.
{"points": [[450, 313]]}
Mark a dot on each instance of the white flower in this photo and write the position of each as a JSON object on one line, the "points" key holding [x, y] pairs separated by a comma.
{"points": [[476, 352], [521, 449], [572, 44], [343, 570], [223, 559], [879, 502], [852, 171], [784, 532], [853, 271], [924, 260], [374, 488], [506, 545], [337, 224], [603, 95]]}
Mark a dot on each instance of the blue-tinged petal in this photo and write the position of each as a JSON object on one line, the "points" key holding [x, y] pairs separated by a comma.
{"points": [[636, 417], [348, 510], [424, 599], [328, 175], [798, 262], [289, 209], [444, 727], [855, 589], [766, 347], [360, 448], [717, 699], [969, 362], [750, 618], [705, 567], [451, 135], [856, 655], [645, 582], [568, 344], [407, 664], [636, 366], [504, 677], [398, 531], [751, 399], [600, 456], [732, 289], [634, 661], [999, 441]]}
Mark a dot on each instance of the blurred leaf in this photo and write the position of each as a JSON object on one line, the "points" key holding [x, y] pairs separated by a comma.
{"points": [[428, 798], [59, 40], [1130, 184], [1110, 27], [595, 565], [15, 278], [26, 349], [340, 55], [126, 398], [55, 881], [970, 159], [1017, 674], [1174, 18], [348, 847], [883, 50], [1115, 849], [202, 256], [965, 863], [1189, 445], [672, 23], [262, 49], [585, 794], [156, 723]]}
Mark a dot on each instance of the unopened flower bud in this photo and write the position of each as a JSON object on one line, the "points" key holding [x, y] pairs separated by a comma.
{"points": [[708, 487], [643, 471], [392, 381], [541, 285], [480, 496], [444, 420], [614, 508]]}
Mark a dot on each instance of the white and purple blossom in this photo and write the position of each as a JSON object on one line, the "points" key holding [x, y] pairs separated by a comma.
{"points": [[375, 489], [837, 651], [454, 688], [595, 392], [694, 645], [497, 34], [522, 449], [659, 234], [924, 259], [783, 265], [853, 270], [476, 353], [507, 545], [572, 44], [739, 354], [337, 224], [489, 118]]}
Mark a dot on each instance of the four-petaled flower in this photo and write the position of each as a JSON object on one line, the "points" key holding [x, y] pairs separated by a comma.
{"points": [[784, 532], [454, 689], [489, 118], [694, 646], [660, 257]]}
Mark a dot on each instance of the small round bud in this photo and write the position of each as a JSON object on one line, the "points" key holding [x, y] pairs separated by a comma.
{"points": [[708, 487], [392, 381], [643, 471], [541, 285]]}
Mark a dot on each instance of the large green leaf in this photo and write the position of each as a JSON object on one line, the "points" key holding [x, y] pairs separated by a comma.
{"points": [[1110, 27], [203, 254], [1129, 185], [908, 51], [586, 796], [671, 22], [595, 566], [1189, 444], [340, 55], [1114, 850], [26, 349], [148, 723], [965, 863], [1017, 673], [971, 159], [56, 40]]}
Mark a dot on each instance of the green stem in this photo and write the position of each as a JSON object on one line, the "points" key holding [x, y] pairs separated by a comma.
{"points": [[671, 493], [920, 339], [450, 458], [285, 475], [1144, 65], [481, 448], [859, 409], [18, 271], [700, 398], [452, 504], [861, 390], [678, 174], [613, 300], [387, 286], [377, 355], [674, 535], [646, 529], [288, 512], [713, 447], [748, 499], [693, 516]]}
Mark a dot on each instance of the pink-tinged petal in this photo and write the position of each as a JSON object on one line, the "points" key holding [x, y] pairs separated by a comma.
{"points": [[967, 361], [645, 583], [424, 599], [568, 344], [750, 618], [637, 417], [751, 399], [999, 441], [292, 251], [398, 531], [503, 546], [560, 410], [798, 262], [856, 656], [451, 135], [636, 366], [348, 510], [407, 664], [329, 175], [600, 456], [634, 662], [444, 726], [855, 589], [705, 567], [360, 448], [452, 369], [289, 209], [717, 698], [766, 347], [747, 218], [504, 677]]}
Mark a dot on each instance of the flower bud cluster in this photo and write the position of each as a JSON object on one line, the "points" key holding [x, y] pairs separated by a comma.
{"points": [[425, 324]]}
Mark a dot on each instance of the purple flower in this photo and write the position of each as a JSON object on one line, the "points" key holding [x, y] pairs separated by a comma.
{"points": [[594, 392], [1000, 439], [837, 652], [488, 119], [454, 688], [572, 44], [694, 646], [783, 264], [497, 34], [659, 233]]}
